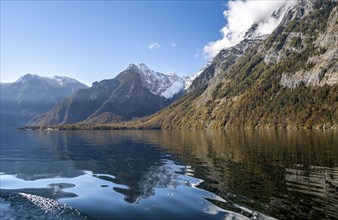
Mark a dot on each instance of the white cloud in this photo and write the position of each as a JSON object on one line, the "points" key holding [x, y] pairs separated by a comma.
{"points": [[197, 53], [173, 44], [240, 16], [153, 45]]}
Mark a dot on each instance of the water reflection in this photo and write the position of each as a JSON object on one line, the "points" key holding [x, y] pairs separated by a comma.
{"points": [[119, 158], [284, 174]]}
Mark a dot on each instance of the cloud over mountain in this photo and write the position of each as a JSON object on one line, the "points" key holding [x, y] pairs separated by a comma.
{"points": [[241, 15]]}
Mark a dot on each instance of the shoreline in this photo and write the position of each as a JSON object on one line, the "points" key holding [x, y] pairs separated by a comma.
{"points": [[128, 127]]}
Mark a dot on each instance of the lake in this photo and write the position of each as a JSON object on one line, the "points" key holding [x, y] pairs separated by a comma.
{"points": [[222, 174]]}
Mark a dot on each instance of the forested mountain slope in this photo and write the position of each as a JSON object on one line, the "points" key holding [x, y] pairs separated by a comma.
{"points": [[288, 80]]}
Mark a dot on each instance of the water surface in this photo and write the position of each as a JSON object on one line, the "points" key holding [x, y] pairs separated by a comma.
{"points": [[176, 174]]}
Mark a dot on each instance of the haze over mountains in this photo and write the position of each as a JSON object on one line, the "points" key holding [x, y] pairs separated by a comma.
{"points": [[32, 95]]}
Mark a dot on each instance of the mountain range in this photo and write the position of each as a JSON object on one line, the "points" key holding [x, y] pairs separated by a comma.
{"points": [[136, 92], [288, 79], [32, 95]]}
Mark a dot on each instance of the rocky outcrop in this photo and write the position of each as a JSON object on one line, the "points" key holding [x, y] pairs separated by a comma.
{"points": [[321, 67]]}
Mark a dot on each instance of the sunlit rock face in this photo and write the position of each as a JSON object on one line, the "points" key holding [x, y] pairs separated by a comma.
{"points": [[319, 43], [286, 79]]}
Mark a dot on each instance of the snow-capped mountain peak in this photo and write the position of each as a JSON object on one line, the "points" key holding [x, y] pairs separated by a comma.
{"points": [[26, 78], [56, 81], [166, 85], [189, 80], [63, 80]]}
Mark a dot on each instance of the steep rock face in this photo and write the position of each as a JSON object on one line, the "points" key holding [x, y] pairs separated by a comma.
{"points": [[321, 67], [305, 36], [224, 59], [135, 92], [287, 80], [32, 95]]}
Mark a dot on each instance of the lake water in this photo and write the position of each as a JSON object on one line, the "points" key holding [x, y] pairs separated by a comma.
{"points": [[232, 174]]}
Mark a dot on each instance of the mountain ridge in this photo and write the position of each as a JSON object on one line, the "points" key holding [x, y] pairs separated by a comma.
{"points": [[135, 92], [32, 95], [165, 85]]}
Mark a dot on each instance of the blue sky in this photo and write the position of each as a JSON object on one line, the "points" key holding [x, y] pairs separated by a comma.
{"points": [[95, 40]]}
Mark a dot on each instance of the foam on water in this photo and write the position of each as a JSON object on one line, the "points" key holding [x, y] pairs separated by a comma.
{"points": [[25, 206]]}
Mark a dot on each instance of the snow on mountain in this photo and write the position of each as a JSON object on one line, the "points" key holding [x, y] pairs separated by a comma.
{"points": [[173, 89], [32, 95], [189, 79], [63, 81], [55, 81], [40, 82], [165, 85]]}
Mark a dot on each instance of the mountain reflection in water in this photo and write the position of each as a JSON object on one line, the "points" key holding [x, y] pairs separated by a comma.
{"points": [[280, 173], [283, 174]]}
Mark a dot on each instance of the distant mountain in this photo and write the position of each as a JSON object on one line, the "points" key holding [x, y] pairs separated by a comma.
{"points": [[32, 95], [165, 85], [136, 92]]}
